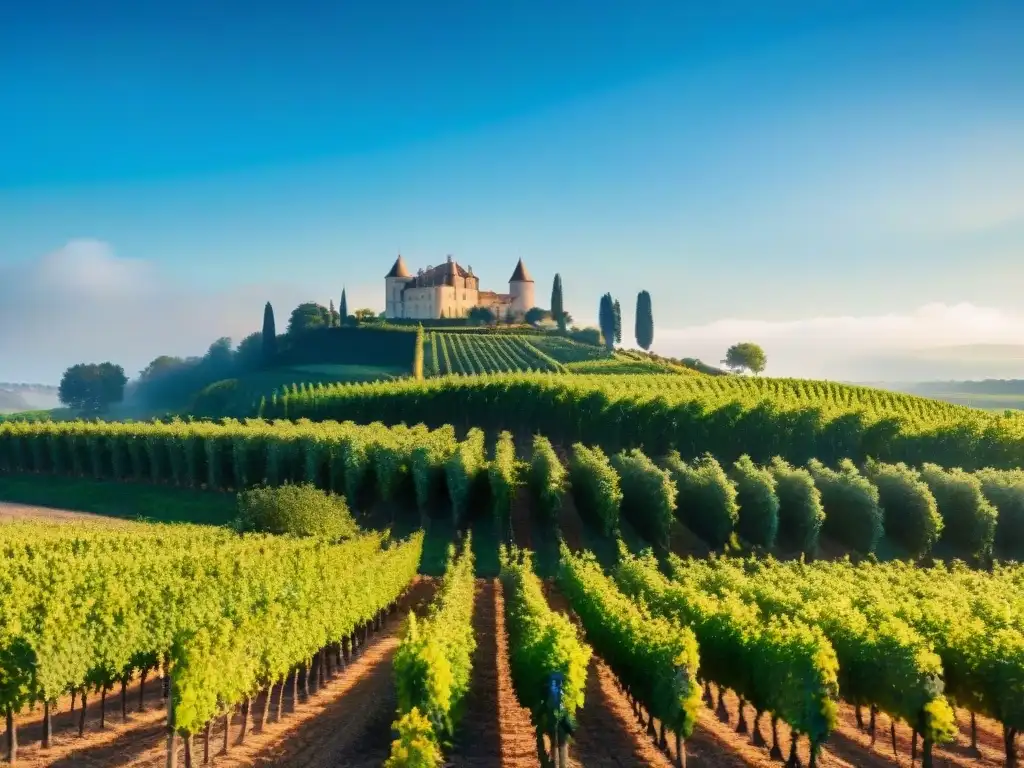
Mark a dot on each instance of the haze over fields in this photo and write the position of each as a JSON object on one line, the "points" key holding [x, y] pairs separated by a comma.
{"points": [[85, 302], [838, 182]]}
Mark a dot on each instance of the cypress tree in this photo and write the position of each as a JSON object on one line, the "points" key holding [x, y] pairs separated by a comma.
{"points": [[332, 314], [644, 320], [557, 305], [617, 310], [343, 307], [606, 320], [269, 335]]}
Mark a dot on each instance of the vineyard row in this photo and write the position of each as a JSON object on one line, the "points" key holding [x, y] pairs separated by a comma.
{"points": [[726, 416], [971, 514], [228, 617], [224, 616]]}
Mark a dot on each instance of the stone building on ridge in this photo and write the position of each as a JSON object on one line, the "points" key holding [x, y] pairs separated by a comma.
{"points": [[450, 291]]}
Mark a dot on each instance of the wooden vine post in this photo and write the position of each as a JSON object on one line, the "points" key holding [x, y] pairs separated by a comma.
{"points": [[172, 732]]}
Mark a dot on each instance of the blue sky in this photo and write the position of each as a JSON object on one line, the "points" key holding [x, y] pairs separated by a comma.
{"points": [[759, 165]]}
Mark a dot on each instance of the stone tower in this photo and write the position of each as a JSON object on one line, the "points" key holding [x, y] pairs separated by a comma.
{"points": [[394, 282], [520, 288]]}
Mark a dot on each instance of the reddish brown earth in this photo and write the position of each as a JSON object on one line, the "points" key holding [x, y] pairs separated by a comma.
{"points": [[347, 722], [10, 511], [495, 731]]}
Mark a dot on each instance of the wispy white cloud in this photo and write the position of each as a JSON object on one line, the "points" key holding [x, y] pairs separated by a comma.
{"points": [[865, 347], [84, 303]]}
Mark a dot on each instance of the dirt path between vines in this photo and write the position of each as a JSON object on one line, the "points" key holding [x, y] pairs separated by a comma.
{"points": [[12, 511], [495, 732], [347, 722]]}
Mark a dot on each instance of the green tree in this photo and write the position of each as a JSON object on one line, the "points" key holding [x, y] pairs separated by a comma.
{"points": [[557, 304], [745, 356], [92, 388], [333, 320], [161, 366], [249, 353], [299, 510], [308, 316], [481, 316], [365, 314], [617, 310], [343, 308], [269, 335], [220, 354], [606, 320], [644, 320], [536, 315]]}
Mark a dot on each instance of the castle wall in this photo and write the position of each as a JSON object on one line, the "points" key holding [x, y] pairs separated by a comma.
{"points": [[451, 301], [522, 297], [393, 296], [422, 303], [456, 301]]}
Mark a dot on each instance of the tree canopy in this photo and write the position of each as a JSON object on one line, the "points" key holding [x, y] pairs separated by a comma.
{"points": [[171, 382], [481, 316], [746, 356], [249, 354], [91, 387], [536, 315], [307, 316]]}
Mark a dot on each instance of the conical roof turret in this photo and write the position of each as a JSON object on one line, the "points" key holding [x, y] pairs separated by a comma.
{"points": [[398, 269], [520, 275]]}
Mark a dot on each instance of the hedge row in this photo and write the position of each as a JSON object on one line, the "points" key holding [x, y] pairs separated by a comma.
{"points": [[548, 479], [970, 519], [363, 463], [759, 506], [705, 497], [433, 663], [794, 504], [545, 652], [853, 516], [911, 514], [648, 496], [727, 416], [466, 472], [801, 513], [595, 488], [504, 477]]}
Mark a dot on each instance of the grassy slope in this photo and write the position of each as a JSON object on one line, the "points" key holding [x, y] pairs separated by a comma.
{"points": [[122, 500], [56, 414], [248, 389]]}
